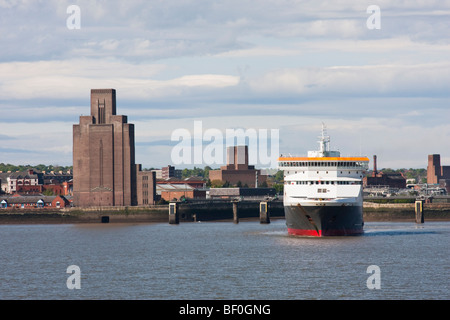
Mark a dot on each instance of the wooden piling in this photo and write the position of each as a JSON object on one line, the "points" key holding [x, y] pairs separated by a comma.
{"points": [[419, 211], [264, 213], [173, 213], [235, 212]]}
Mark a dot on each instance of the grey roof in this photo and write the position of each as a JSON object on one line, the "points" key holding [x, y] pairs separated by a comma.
{"points": [[22, 175], [29, 199]]}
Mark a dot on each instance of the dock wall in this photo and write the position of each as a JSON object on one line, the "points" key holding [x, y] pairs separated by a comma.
{"points": [[207, 210]]}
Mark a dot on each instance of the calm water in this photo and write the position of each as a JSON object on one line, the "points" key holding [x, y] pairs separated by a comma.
{"points": [[221, 260]]}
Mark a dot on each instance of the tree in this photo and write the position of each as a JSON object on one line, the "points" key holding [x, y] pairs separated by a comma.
{"points": [[216, 184], [48, 192], [279, 176], [279, 188]]}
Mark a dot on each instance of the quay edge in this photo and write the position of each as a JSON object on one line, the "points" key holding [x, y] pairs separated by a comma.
{"points": [[203, 211]]}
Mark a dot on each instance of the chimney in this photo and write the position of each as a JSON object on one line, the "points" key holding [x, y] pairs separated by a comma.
{"points": [[375, 172]]}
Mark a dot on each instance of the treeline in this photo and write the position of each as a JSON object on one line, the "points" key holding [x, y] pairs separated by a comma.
{"points": [[40, 167], [196, 172]]}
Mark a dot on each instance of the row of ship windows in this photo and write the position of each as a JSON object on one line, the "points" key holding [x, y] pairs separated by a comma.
{"points": [[322, 171], [346, 164], [323, 182]]}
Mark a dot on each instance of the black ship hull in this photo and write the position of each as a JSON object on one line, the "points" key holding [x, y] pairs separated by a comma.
{"points": [[321, 221]]}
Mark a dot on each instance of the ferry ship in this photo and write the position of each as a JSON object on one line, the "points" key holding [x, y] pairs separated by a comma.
{"points": [[323, 192]]}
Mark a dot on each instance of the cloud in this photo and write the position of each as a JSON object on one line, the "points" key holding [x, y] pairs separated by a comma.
{"points": [[356, 81], [71, 79], [156, 30]]}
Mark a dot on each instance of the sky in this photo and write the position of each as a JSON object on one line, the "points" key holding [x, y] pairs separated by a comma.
{"points": [[378, 80]]}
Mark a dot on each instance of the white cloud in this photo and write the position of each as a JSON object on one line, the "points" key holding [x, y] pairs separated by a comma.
{"points": [[74, 78], [348, 81]]}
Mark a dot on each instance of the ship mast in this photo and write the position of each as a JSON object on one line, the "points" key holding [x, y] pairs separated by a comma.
{"points": [[324, 141]]}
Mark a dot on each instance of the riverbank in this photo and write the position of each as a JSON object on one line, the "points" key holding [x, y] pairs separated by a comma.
{"points": [[160, 214]]}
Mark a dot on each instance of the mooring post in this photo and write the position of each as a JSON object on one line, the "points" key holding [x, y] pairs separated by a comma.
{"points": [[173, 213], [264, 214], [235, 212], [419, 211]]}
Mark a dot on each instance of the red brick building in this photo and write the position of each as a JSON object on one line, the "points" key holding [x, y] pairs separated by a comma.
{"points": [[170, 192]]}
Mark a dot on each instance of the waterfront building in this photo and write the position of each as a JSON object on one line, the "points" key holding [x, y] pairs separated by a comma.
{"points": [[104, 171], [33, 202], [146, 186]]}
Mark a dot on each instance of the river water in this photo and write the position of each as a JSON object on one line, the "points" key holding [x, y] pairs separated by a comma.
{"points": [[222, 260]]}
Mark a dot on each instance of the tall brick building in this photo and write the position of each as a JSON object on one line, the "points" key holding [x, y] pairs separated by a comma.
{"points": [[435, 171], [104, 171], [437, 174]]}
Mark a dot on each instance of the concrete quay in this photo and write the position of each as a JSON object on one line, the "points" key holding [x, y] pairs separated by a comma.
{"points": [[210, 210]]}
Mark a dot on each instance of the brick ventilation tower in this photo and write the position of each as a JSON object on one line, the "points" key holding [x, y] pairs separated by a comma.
{"points": [[434, 168], [104, 171]]}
